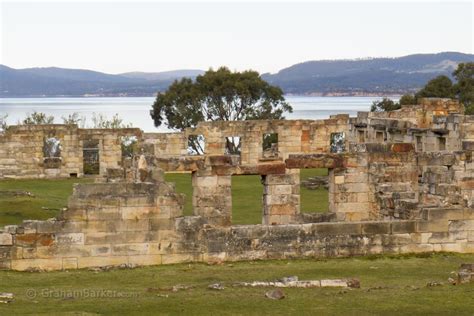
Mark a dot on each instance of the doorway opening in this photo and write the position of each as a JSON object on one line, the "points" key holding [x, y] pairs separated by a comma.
{"points": [[314, 190], [247, 193], [183, 184]]}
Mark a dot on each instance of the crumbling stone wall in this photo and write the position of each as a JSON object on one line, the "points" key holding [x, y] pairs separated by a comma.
{"points": [[295, 136], [166, 144], [142, 224], [22, 150], [392, 189], [433, 125], [105, 224]]}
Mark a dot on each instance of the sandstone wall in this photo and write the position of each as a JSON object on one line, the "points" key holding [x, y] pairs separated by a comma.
{"points": [[399, 182], [295, 136], [378, 208], [151, 235], [166, 144], [22, 150]]}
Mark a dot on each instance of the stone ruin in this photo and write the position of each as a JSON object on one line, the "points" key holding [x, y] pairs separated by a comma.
{"points": [[399, 182]]}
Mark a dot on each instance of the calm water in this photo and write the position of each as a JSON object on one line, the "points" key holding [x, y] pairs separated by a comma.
{"points": [[136, 110]]}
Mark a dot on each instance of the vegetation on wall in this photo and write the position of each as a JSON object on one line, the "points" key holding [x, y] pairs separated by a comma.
{"points": [[37, 118], [102, 121], [99, 120], [74, 119]]}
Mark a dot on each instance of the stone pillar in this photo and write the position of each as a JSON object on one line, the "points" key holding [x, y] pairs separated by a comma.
{"points": [[349, 193], [281, 198], [212, 197]]}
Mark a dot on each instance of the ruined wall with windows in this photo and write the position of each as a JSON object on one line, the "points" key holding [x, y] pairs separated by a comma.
{"points": [[52, 151], [394, 187]]}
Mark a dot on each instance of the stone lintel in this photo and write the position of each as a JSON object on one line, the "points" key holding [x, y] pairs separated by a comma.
{"points": [[329, 161]]}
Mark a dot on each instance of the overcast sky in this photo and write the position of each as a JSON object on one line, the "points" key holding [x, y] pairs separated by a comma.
{"points": [[117, 37]]}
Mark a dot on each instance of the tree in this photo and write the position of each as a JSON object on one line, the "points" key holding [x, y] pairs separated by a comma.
{"points": [[385, 105], [464, 88], [439, 87], [38, 118], [219, 95], [407, 99]]}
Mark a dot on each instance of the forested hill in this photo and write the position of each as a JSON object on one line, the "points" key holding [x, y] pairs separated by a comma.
{"points": [[365, 76], [325, 77]]}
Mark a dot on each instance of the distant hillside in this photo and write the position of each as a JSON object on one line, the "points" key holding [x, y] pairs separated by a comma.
{"points": [[364, 76], [325, 77], [165, 75], [52, 81]]}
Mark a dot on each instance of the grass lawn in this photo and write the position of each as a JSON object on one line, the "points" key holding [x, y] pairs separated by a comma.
{"points": [[247, 195], [48, 197], [389, 286]]}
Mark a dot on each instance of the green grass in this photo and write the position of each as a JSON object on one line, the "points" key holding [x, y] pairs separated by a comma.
{"points": [[389, 286], [183, 185], [313, 200], [53, 194], [247, 195], [49, 194]]}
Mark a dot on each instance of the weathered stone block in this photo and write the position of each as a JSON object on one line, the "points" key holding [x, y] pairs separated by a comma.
{"points": [[6, 239], [87, 262], [145, 260], [69, 238], [130, 249], [281, 209], [432, 226], [448, 214], [376, 228], [399, 227], [31, 240], [69, 263], [338, 228], [43, 264]]}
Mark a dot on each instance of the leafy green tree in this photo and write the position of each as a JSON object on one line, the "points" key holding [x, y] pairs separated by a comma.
{"points": [[407, 99], [439, 87], [219, 95], [464, 88], [385, 105], [38, 118]]}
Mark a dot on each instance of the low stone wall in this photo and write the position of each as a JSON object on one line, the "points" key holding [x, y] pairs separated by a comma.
{"points": [[137, 238]]}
